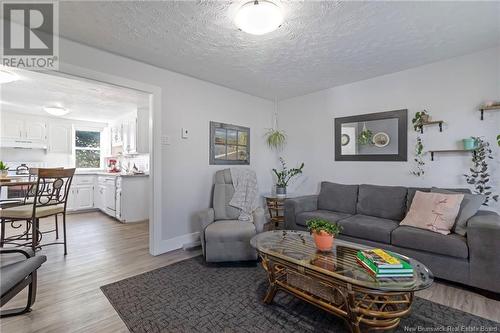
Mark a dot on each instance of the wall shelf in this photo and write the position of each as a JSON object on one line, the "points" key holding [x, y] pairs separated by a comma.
{"points": [[428, 123], [449, 151], [488, 108]]}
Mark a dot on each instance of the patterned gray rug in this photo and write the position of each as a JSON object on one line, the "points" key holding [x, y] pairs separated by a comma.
{"points": [[191, 297]]}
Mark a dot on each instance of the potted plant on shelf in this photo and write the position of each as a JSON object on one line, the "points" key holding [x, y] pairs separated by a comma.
{"points": [[4, 170], [498, 139], [421, 117], [323, 232], [284, 176]]}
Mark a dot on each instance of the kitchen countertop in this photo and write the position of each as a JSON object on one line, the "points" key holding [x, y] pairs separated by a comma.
{"points": [[105, 173]]}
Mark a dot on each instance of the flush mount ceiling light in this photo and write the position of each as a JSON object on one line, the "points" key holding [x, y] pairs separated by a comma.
{"points": [[6, 77], [56, 110], [259, 17]]}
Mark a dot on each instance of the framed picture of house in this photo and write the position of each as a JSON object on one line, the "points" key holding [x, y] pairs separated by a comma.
{"points": [[229, 144]]}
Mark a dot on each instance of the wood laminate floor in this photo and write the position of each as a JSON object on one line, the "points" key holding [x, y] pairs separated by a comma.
{"points": [[102, 251]]}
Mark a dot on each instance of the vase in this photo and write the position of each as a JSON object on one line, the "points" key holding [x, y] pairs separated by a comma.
{"points": [[425, 118], [4, 173], [323, 240], [281, 191], [469, 144]]}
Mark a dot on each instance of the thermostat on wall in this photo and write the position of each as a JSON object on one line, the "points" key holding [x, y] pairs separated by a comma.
{"points": [[185, 133]]}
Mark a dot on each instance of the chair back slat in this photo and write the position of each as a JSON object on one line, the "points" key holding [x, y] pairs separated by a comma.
{"points": [[52, 187]]}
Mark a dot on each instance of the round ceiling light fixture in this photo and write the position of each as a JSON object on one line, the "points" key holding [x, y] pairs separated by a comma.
{"points": [[6, 76], [259, 17], [56, 110]]}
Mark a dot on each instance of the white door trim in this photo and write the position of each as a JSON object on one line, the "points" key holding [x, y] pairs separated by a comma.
{"points": [[155, 151]]}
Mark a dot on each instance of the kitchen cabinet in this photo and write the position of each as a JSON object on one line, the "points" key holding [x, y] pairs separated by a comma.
{"points": [[35, 130], [81, 198], [132, 199], [60, 138], [142, 131], [81, 193], [99, 196], [19, 129], [12, 127], [131, 133]]}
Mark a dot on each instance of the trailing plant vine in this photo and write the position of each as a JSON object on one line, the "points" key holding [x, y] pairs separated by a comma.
{"points": [[420, 118], [479, 175], [276, 139], [419, 160]]}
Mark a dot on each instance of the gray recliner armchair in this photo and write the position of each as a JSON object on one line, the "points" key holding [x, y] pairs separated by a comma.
{"points": [[223, 237]]}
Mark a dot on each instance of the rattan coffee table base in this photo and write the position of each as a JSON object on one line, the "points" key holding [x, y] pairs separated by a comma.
{"points": [[362, 309]]}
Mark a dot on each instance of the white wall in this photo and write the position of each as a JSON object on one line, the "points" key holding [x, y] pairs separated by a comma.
{"points": [[451, 90], [191, 103]]}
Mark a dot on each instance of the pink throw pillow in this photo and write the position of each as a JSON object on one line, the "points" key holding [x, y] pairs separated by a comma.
{"points": [[433, 211]]}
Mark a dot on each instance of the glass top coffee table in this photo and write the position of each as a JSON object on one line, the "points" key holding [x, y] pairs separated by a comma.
{"points": [[335, 282]]}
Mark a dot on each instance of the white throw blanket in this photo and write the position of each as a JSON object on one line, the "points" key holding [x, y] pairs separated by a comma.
{"points": [[245, 192]]}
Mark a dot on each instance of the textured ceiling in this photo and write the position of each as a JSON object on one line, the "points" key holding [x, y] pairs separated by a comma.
{"points": [[85, 99], [321, 43]]}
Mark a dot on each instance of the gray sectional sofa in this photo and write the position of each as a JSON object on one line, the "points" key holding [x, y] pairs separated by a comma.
{"points": [[370, 214]]}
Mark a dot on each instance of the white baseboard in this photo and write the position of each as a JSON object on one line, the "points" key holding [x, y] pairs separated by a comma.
{"points": [[175, 243]]}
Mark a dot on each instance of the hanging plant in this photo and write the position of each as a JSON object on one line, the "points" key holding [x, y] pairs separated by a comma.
{"points": [[479, 176], [420, 118], [419, 160], [365, 136], [498, 139], [276, 139]]}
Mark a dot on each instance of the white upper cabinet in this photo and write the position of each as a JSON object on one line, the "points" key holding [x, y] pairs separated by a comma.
{"points": [[35, 130], [132, 132], [60, 138], [20, 128], [12, 127], [142, 124]]}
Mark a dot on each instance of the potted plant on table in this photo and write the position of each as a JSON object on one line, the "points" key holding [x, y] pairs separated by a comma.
{"points": [[284, 176], [4, 170], [323, 232]]}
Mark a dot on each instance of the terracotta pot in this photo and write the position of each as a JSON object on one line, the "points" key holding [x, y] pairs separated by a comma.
{"points": [[323, 240]]}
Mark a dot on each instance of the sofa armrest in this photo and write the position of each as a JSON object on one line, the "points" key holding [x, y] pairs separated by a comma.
{"points": [[205, 217], [298, 205], [259, 219], [483, 239]]}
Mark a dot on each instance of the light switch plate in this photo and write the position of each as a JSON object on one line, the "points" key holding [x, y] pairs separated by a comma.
{"points": [[165, 140], [185, 133]]}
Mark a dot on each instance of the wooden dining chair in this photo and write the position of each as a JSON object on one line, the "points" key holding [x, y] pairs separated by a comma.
{"points": [[50, 195]]}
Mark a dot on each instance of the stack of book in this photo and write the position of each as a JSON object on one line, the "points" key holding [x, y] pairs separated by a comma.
{"points": [[381, 263]]}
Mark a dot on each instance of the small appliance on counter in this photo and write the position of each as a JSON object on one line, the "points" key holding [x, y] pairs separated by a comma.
{"points": [[23, 169], [113, 165]]}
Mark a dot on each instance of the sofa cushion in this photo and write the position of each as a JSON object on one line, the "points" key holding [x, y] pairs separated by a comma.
{"points": [[368, 227], [223, 193], [468, 208], [302, 218], [229, 231], [338, 197], [388, 202], [424, 240], [413, 190]]}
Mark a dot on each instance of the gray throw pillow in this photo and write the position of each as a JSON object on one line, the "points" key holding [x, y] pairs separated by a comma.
{"points": [[468, 208]]}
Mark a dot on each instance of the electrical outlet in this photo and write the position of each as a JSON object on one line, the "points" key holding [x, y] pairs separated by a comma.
{"points": [[185, 133]]}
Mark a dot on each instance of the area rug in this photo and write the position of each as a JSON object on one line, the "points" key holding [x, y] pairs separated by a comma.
{"points": [[190, 296]]}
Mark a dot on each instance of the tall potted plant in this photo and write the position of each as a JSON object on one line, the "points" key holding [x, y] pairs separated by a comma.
{"points": [[323, 232], [284, 176]]}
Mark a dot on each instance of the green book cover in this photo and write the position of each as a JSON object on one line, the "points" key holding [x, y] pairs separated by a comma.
{"points": [[405, 269]]}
